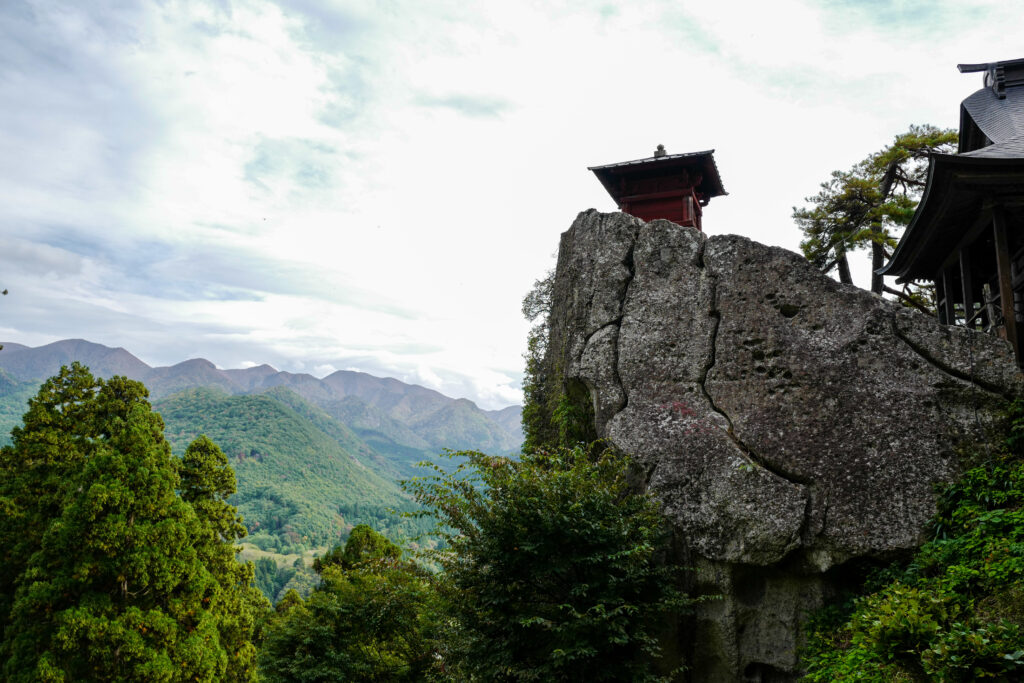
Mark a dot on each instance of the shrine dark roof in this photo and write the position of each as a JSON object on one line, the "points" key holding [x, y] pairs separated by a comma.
{"points": [[961, 187], [1012, 148], [998, 119], [710, 186], [661, 159], [995, 113]]}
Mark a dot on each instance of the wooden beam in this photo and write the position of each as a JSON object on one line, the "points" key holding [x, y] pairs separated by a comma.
{"points": [[656, 195], [1005, 278], [947, 287], [940, 297], [967, 283]]}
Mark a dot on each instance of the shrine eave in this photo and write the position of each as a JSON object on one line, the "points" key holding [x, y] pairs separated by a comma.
{"points": [[710, 187], [959, 190]]}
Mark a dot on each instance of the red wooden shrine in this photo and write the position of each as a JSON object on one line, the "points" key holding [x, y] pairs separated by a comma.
{"points": [[675, 187]]}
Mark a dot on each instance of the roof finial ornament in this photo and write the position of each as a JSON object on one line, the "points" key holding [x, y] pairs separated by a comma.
{"points": [[660, 152], [995, 74]]}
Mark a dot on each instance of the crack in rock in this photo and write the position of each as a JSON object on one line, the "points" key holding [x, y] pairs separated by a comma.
{"points": [[631, 267], [752, 457], [614, 323], [946, 369]]}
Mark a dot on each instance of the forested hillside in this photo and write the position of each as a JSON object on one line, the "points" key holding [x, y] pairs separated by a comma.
{"points": [[303, 479], [14, 396]]}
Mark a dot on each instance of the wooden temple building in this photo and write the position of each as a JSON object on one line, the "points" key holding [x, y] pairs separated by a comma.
{"points": [[671, 186], [967, 235]]}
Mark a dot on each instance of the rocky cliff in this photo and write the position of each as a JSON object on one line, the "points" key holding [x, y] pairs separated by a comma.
{"points": [[793, 427]]}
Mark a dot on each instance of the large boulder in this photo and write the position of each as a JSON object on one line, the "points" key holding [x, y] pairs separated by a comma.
{"points": [[793, 427]]}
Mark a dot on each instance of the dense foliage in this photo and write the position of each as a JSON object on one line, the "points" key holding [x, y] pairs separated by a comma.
{"points": [[539, 393], [109, 573], [956, 613], [207, 481], [554, 569], [865, 206], [555, 413], [372, 619], [275, 578], [122, 560]]}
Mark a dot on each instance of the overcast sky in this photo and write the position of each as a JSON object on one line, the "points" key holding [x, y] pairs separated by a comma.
{"points": [[374, 185]]}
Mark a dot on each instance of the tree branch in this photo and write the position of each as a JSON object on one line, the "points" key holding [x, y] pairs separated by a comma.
{"points": [[908, 299]]}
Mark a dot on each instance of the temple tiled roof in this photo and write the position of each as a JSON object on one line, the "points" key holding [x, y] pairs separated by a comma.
{"points": [[999, 119], [705, 161], [989, 169], [1011, 148], [994, 115]]}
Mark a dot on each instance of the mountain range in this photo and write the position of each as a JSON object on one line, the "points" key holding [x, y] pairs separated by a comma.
{"points": [[392, 414], [312, 456]]}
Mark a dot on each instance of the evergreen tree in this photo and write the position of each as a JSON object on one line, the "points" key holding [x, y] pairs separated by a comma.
{"points": [[865, 206], [363, 545], [206, 483], [35, 473], [539, 391], [112, 575]]}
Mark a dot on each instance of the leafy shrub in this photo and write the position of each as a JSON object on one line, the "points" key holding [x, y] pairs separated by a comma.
{"points": [[955, 612], [554, 570], [371, 619]]}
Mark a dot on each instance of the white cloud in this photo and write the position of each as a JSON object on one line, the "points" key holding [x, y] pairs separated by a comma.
{"points": [[346, 184]]}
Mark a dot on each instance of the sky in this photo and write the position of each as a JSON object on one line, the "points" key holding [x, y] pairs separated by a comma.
{"points": [[374, 185]]}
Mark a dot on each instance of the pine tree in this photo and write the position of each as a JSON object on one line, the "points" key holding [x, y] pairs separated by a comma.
{"points": [[539, 387], [867, 205], [35, 472], [363, 545]]}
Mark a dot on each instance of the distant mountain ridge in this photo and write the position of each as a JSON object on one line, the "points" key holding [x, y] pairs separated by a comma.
{"points": [[312, 457], [29, 363], [407, 421]]}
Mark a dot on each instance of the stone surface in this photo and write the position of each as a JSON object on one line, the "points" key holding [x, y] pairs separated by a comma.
{"points": [[789, 424]]}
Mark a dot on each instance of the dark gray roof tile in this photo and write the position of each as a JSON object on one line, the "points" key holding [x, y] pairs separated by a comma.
{"points": [[1013, 148], [667, 157], [1000, 120]]}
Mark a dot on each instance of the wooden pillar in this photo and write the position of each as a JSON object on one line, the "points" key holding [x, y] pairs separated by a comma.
{"points": [[940, 299], [967, 281], [1002, 245], [947, 287], [990, 307]]}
